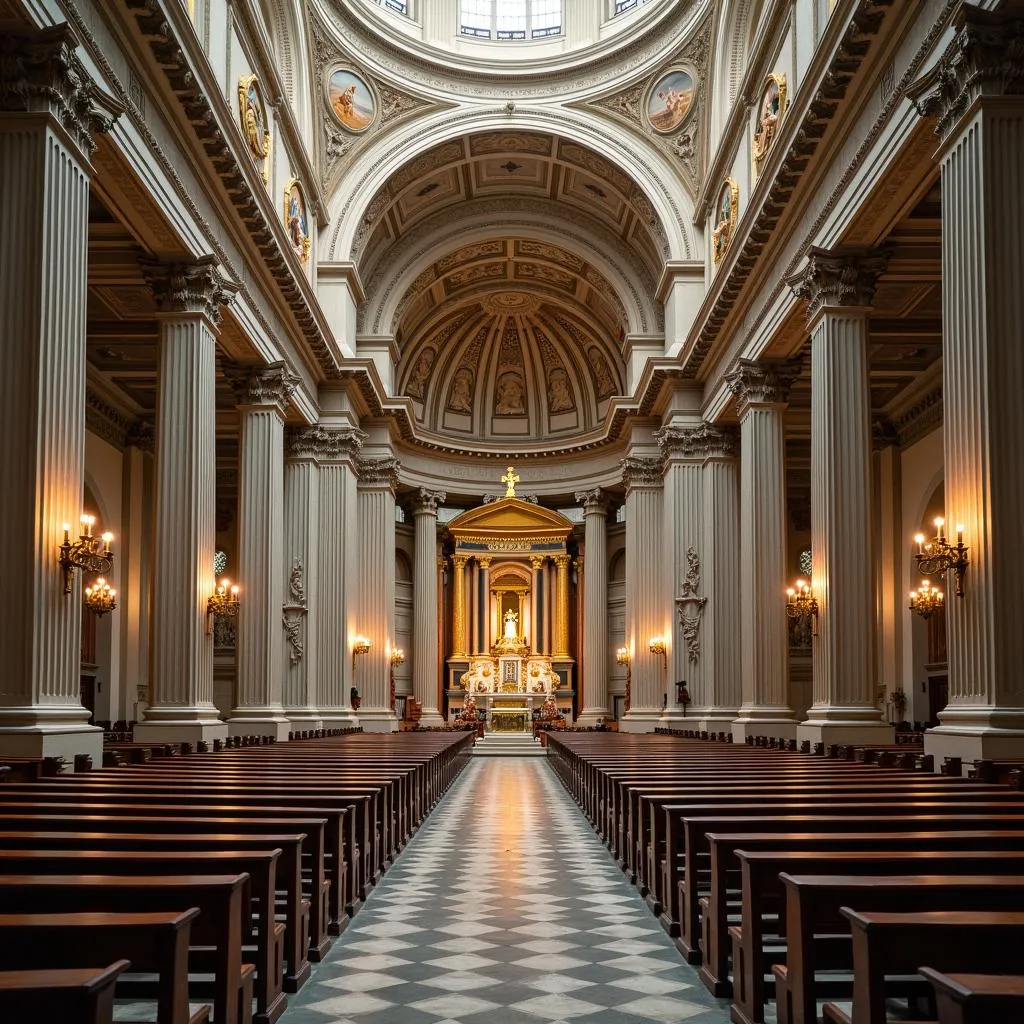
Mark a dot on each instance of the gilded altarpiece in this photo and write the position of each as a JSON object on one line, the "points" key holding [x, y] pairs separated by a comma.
{"points": [[510, 611]]}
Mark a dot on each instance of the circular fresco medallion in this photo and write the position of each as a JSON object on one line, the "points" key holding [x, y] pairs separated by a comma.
{"points": [[670, 100], [351, 100]]}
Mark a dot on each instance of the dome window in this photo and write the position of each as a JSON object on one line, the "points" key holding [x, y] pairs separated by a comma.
{"points": [[509, 20]]}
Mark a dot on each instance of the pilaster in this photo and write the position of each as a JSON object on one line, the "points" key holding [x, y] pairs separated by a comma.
{"points": [[762, 391], [377, 481], [189, 297], [978, 100], [645, 609], [561, 606], [425, 680], [49, 112], [839, 288], [594, 634], [263, 399]]}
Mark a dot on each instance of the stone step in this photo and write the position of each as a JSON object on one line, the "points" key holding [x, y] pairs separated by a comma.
{"points": [[505, 745]]}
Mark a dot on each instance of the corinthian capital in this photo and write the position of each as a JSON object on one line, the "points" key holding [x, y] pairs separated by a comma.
{"points": [[756, 383], [40, 72], [379, 473], [705, 441], [838, 279], [194, 287], [271, 385], [986, 58], [426, 502], [593, 501], [325, 444], [641, 471]]}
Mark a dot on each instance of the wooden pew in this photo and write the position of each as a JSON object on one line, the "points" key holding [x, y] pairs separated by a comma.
{"points": [[84, 996], [813, 905], [977, 998], [223, 906], [158, 943], [892, 944]]}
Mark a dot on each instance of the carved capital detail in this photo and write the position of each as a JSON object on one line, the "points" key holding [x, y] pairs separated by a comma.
{"points": [[271, 385], [379, 473], [756, 383], [325, 444], [986, 58], [838, 279], [705, 441], [593, 502], [426, 501], [188, 287], [40, 72], [640, 471]]}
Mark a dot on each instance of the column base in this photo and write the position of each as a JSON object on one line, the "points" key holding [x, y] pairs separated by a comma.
{"points": [[40, 732], [304, 718], [183, 729], [978, 733], [642, 720], [589, 717], [248, 724], [339, 718], [711, 719], [378, 720], [773, 722], [431, 719], [859, 734]]}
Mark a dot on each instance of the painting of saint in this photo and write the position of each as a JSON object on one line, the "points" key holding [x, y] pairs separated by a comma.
{"points": [[670, 101], [351, 101], [559, 396], [295, 219], [253, 116], [726, 210], [461, 399], [509, 398], [773, 99]]}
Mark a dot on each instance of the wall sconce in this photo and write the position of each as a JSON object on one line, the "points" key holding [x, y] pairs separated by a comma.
{"points": [[926, 600], [397, 656], [359, 646], [223, 601], [89, 553], [100, 597], [622, 656], [938, 555], [802, 604], [656, 645]]}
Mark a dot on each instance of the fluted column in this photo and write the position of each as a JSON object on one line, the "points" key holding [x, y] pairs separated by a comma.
{"points": [[839, 289], [48, 115], [301, 610], [485, 605], [645, 606], [425, 607], [189, 297], [459, 606], [980, 120], [377, 481], [562, 606], [761, 392], [537, 603], [263, 399], [594, 653], [336, 449]]}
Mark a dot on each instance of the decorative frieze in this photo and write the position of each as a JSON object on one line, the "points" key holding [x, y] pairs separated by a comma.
{"points": [[325, 444], [188, 287], [838, 279], [755, 383]]}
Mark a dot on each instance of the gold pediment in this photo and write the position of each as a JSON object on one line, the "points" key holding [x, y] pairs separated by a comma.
{"points": [[510, 516]]}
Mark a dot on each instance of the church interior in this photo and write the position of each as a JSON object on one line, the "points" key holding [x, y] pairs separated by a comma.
{"points": [[518, 493]]}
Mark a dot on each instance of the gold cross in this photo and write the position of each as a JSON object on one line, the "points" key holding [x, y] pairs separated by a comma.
{"points": [[510, 479]]}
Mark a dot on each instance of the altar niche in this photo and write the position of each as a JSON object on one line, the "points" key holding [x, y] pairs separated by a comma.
{"points": [[510, 611]]}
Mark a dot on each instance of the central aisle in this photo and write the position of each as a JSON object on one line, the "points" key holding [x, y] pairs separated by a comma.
{"points": [[504, 909]]}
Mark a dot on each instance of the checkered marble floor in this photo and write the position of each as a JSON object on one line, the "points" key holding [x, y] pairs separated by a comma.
{"points": [[504, 909]]}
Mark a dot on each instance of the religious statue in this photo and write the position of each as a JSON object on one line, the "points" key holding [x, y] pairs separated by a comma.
{"points": [[511, 623], [559, 398], [460, 399], [509, 400], [773, 98], [725, 223]]}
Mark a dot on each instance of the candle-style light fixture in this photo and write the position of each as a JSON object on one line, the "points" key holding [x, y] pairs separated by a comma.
{"points": [[100, 598], [623, 657], [89, 553], [937, 555], [360, 646], [397, 656], [223, 601], [656, 645], [802, 604], [926, 600]]}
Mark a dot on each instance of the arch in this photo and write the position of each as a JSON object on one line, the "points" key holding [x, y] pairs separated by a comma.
{"points": [[403, 567], [617, 567], [645, 168]]}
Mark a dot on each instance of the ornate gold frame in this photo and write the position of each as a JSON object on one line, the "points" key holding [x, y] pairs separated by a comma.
{"points": [[307, 242], [780, 81], [734, 207], [244, 84]]}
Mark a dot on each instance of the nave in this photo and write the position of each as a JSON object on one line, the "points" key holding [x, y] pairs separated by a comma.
{"points": [[505, 909]]}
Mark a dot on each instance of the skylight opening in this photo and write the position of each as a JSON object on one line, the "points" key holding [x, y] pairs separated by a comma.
{"points": [[510, 20]]}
